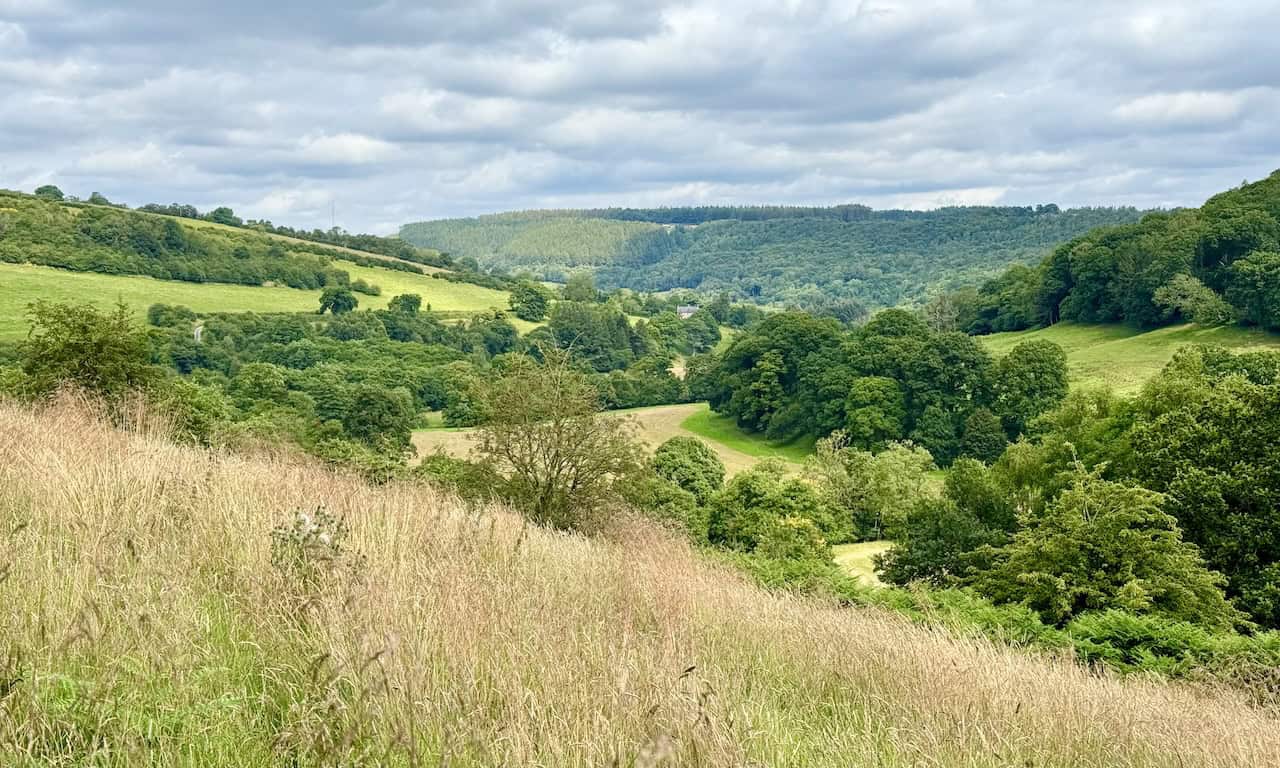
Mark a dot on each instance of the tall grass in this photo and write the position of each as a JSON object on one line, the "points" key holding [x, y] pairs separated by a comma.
{"points": [[143, 622]]}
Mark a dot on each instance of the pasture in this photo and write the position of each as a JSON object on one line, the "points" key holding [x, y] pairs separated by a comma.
{"points": [[1122, 357], [21, 284]]}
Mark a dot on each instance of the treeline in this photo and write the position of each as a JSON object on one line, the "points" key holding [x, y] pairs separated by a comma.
{"points": [[1216, 264], [705, 213], [393, 247], [772, 255], [892, 379], [386, 246]]}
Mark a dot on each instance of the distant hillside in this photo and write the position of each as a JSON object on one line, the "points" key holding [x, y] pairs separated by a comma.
{"points": [[1216, 264], [790, 255]]}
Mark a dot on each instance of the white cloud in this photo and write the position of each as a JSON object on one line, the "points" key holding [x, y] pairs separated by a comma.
{"points": [[127, 161], [344, 149], [1183, 108]]}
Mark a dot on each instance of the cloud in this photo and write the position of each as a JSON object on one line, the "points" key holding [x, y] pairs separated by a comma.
{"points": [[344, 149], [1184, 108], [396, 111]]}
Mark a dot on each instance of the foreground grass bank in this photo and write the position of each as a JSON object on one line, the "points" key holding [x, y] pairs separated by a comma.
{"points": [[147, 622]]}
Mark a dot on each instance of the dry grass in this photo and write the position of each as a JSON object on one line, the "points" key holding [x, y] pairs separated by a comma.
{"points": [[144, 624]]}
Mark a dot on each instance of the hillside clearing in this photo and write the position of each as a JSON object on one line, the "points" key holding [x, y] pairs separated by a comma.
{"points": [[147, 624], [1122, 357], [21, 284]]}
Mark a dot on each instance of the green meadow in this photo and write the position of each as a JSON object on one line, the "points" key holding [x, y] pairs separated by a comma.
{"points": [[1122, 357], [21, 284]]}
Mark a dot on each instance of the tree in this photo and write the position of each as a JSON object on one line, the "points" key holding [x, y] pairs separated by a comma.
{"points": [[667, 503], [337, 300], [690, 464], [1253, 285], [529, 301], [945, 540], [1186, 297], [1028, 381], [78, 345], [381, 417], [543, 429], [753, 501], [1103, 545], [224, 215], [405, 303], [876, 411], [581, 286], [701, 331], [936, 431], [868, 494], [984, 437], [49, 192], [942, 313]]}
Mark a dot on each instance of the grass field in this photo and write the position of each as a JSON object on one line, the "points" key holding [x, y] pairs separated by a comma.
{"points": [[147, 623], [738, 450], [1122, 357], [21, 284], [856, 559]]}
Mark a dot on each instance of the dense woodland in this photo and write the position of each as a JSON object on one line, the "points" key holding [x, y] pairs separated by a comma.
{"points": [[1216, 264], [801, 257]]}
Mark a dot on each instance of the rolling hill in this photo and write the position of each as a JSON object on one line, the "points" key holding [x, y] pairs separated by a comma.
{"points": [[100, 254], [801, 256]]}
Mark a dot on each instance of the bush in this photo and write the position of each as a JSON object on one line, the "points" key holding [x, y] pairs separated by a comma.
{"points": [[471, 480], [690, 464], [169, 316], [668, 503], [743, 510], [793, 538], [78, 345]]}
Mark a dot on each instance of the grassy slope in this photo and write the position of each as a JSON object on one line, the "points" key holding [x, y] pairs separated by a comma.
{"points": [[1122, 357], [145, 624], [22, 283]]}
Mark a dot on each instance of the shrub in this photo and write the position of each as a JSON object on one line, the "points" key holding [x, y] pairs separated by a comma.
{"points": [[690, 464], [793, 538], [472, 480], [667, 503]]}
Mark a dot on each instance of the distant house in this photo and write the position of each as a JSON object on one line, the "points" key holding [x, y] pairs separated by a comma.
{"points": [[686, 311]]}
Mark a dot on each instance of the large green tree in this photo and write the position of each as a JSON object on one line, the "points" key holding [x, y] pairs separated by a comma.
{"points": [[1101, 545], [1028, 381]]}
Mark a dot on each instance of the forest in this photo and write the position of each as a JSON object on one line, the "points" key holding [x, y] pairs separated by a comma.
{"points": [[795, 257], [1216, 264]]}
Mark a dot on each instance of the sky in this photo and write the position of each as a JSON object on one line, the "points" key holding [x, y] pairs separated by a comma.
{"points": [[376, 114]]}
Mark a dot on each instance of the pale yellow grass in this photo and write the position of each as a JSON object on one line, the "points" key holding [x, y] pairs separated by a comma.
{"points": [[143, 624]]}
